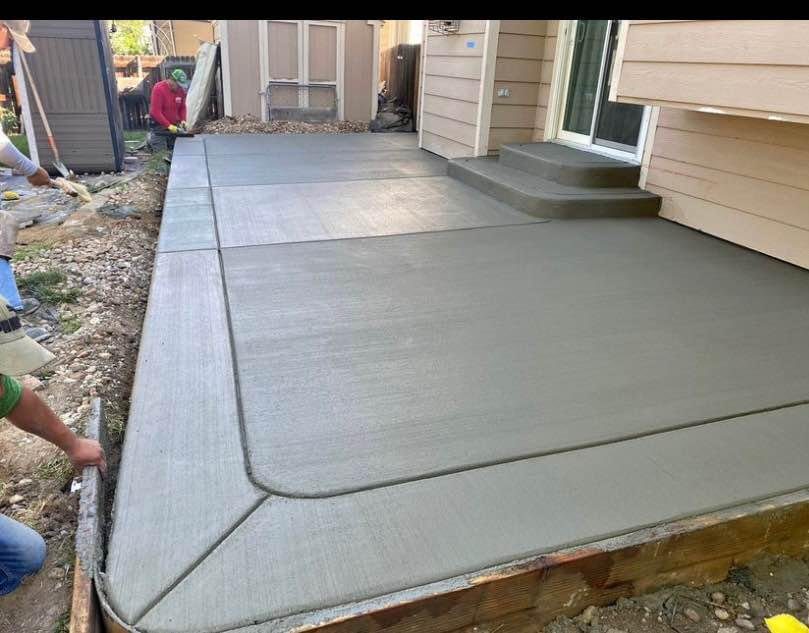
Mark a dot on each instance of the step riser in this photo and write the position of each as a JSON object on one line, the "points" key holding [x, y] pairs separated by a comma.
{"points": [[570, 174], [554, 206]]}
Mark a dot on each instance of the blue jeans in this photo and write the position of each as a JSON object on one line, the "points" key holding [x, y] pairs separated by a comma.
{"points": [[8, 286], [22, 553]]}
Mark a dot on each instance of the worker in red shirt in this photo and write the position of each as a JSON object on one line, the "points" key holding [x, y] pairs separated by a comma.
{"points": [[167, 110]]}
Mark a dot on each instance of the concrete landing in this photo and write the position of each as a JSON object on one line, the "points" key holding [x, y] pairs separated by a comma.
{"points": [[351, 393]]}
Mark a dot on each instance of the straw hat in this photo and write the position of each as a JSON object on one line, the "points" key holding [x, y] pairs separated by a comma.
{"points": [[19, 354], [18, 30]]}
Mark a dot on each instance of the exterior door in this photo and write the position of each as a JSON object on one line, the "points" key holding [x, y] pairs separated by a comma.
{"points": [[304, 62], [588, 118]]}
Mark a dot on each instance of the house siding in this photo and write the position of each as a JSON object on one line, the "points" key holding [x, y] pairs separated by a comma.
{"points": [[755, 68], [359, 70], [243, 57], [70, 78], [738, 178], [518, 67], [453, 66]]}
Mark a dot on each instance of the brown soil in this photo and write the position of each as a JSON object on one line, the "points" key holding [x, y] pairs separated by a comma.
{"points": [[108, 263]]}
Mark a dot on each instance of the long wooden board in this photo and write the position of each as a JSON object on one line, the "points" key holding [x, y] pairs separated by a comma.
{"points": [[85, 614]]}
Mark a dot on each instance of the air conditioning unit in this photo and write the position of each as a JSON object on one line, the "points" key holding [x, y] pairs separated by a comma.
{"points": [[444, 27]]}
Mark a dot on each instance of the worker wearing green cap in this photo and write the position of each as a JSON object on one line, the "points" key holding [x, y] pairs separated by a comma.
{"points": [[167, 109]]}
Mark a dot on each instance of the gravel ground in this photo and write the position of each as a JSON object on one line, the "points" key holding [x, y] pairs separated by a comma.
{"points": [[93, 274], [252, 125]]}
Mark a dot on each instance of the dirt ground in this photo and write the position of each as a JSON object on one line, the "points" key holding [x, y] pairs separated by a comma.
{"points": [[92, 275]]}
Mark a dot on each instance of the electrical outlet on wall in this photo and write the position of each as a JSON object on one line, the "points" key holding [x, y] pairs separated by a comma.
{"points": [[503, 92]]}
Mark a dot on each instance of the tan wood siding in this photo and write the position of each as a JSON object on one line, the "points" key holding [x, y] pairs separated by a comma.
{"points": [[282, 50], [738, 178], [520, 55], [359, 70], [756, 68], [245, 79], [453, 65], [245, 70]]}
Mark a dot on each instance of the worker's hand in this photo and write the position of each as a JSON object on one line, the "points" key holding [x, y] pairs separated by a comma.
{"points": [[183, 125], [40, 178], [173, 129], [84, 452]]}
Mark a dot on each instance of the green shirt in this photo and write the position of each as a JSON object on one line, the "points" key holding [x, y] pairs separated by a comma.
{"points": [[12, 392]]}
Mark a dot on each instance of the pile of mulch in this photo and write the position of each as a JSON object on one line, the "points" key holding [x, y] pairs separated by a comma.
{"points": [[249, 124]]}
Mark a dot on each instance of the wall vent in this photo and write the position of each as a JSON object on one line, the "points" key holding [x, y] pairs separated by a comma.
{"points": [[444, 27]]}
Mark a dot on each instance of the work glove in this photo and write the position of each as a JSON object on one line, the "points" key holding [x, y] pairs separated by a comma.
{"points": [[173, 129], [183, 126]]}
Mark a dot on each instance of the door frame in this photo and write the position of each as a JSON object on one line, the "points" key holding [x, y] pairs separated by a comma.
{"points": [[303, 61], [558, 97]]}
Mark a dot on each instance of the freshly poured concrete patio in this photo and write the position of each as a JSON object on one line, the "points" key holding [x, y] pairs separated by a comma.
{"points": [[360, 380]]}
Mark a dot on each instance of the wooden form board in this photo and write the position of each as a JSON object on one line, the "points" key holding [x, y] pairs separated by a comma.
{"points": [[528, 594], [85, 613]]}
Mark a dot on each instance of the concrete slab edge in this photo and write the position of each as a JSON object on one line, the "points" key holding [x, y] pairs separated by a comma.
{"points": [[700, 548]]}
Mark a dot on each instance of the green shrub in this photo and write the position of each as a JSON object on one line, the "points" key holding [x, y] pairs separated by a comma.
{"points": [[9, 120]]}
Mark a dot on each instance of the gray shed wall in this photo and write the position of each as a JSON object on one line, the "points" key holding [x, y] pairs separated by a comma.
{"points": [[72, 68]]}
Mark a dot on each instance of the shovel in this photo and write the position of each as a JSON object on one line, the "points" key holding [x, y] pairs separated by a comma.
{"points": [[57, 163]]}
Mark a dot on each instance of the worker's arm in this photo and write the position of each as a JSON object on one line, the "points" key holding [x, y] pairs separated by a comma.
{"points": [[14, 158], [156, 107], [34, 416]]}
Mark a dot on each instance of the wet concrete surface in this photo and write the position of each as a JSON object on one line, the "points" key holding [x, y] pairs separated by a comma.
{"points": [[363, 385]]}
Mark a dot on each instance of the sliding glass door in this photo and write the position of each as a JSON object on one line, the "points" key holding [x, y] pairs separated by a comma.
{"points": [[588, 118]]}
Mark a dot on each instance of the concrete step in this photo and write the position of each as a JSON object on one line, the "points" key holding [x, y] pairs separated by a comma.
{"points": [[545, 198], [569, 166]]}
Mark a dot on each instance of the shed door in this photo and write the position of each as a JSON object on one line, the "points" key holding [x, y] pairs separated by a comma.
{"points": [[307, 55]]}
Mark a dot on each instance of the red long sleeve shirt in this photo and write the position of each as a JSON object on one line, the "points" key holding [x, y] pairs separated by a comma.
{"points": [[167, 107]]}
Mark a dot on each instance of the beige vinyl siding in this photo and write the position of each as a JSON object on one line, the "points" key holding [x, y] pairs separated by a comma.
{"points": [[755, 68], [453, 66], [245, 75], [520, 57], [738, 178]]}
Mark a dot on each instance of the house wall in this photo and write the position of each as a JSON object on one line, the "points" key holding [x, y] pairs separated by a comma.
{"points": [[69, 71], [243, 58], [739, 178], [188, 33], [243, 63], [518, 67], [359, 70], [451, 95], [755, 68]]}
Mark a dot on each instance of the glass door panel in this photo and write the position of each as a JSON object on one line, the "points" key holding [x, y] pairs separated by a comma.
{"points": [[585, 73]]}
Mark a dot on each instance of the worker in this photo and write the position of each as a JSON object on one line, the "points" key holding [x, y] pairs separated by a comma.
{"points": [[16, 31], [167, 110], [22, 550]]}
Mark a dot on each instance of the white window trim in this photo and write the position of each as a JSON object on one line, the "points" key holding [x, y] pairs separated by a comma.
{"points": [[559, 86], [303, 61], [375, 69], [423, 73], [486, 93], [225, 57]]}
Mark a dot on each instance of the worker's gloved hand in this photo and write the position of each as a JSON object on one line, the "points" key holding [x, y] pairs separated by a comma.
{"points": [[40, 178], [173, 129], [183, 126]]}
